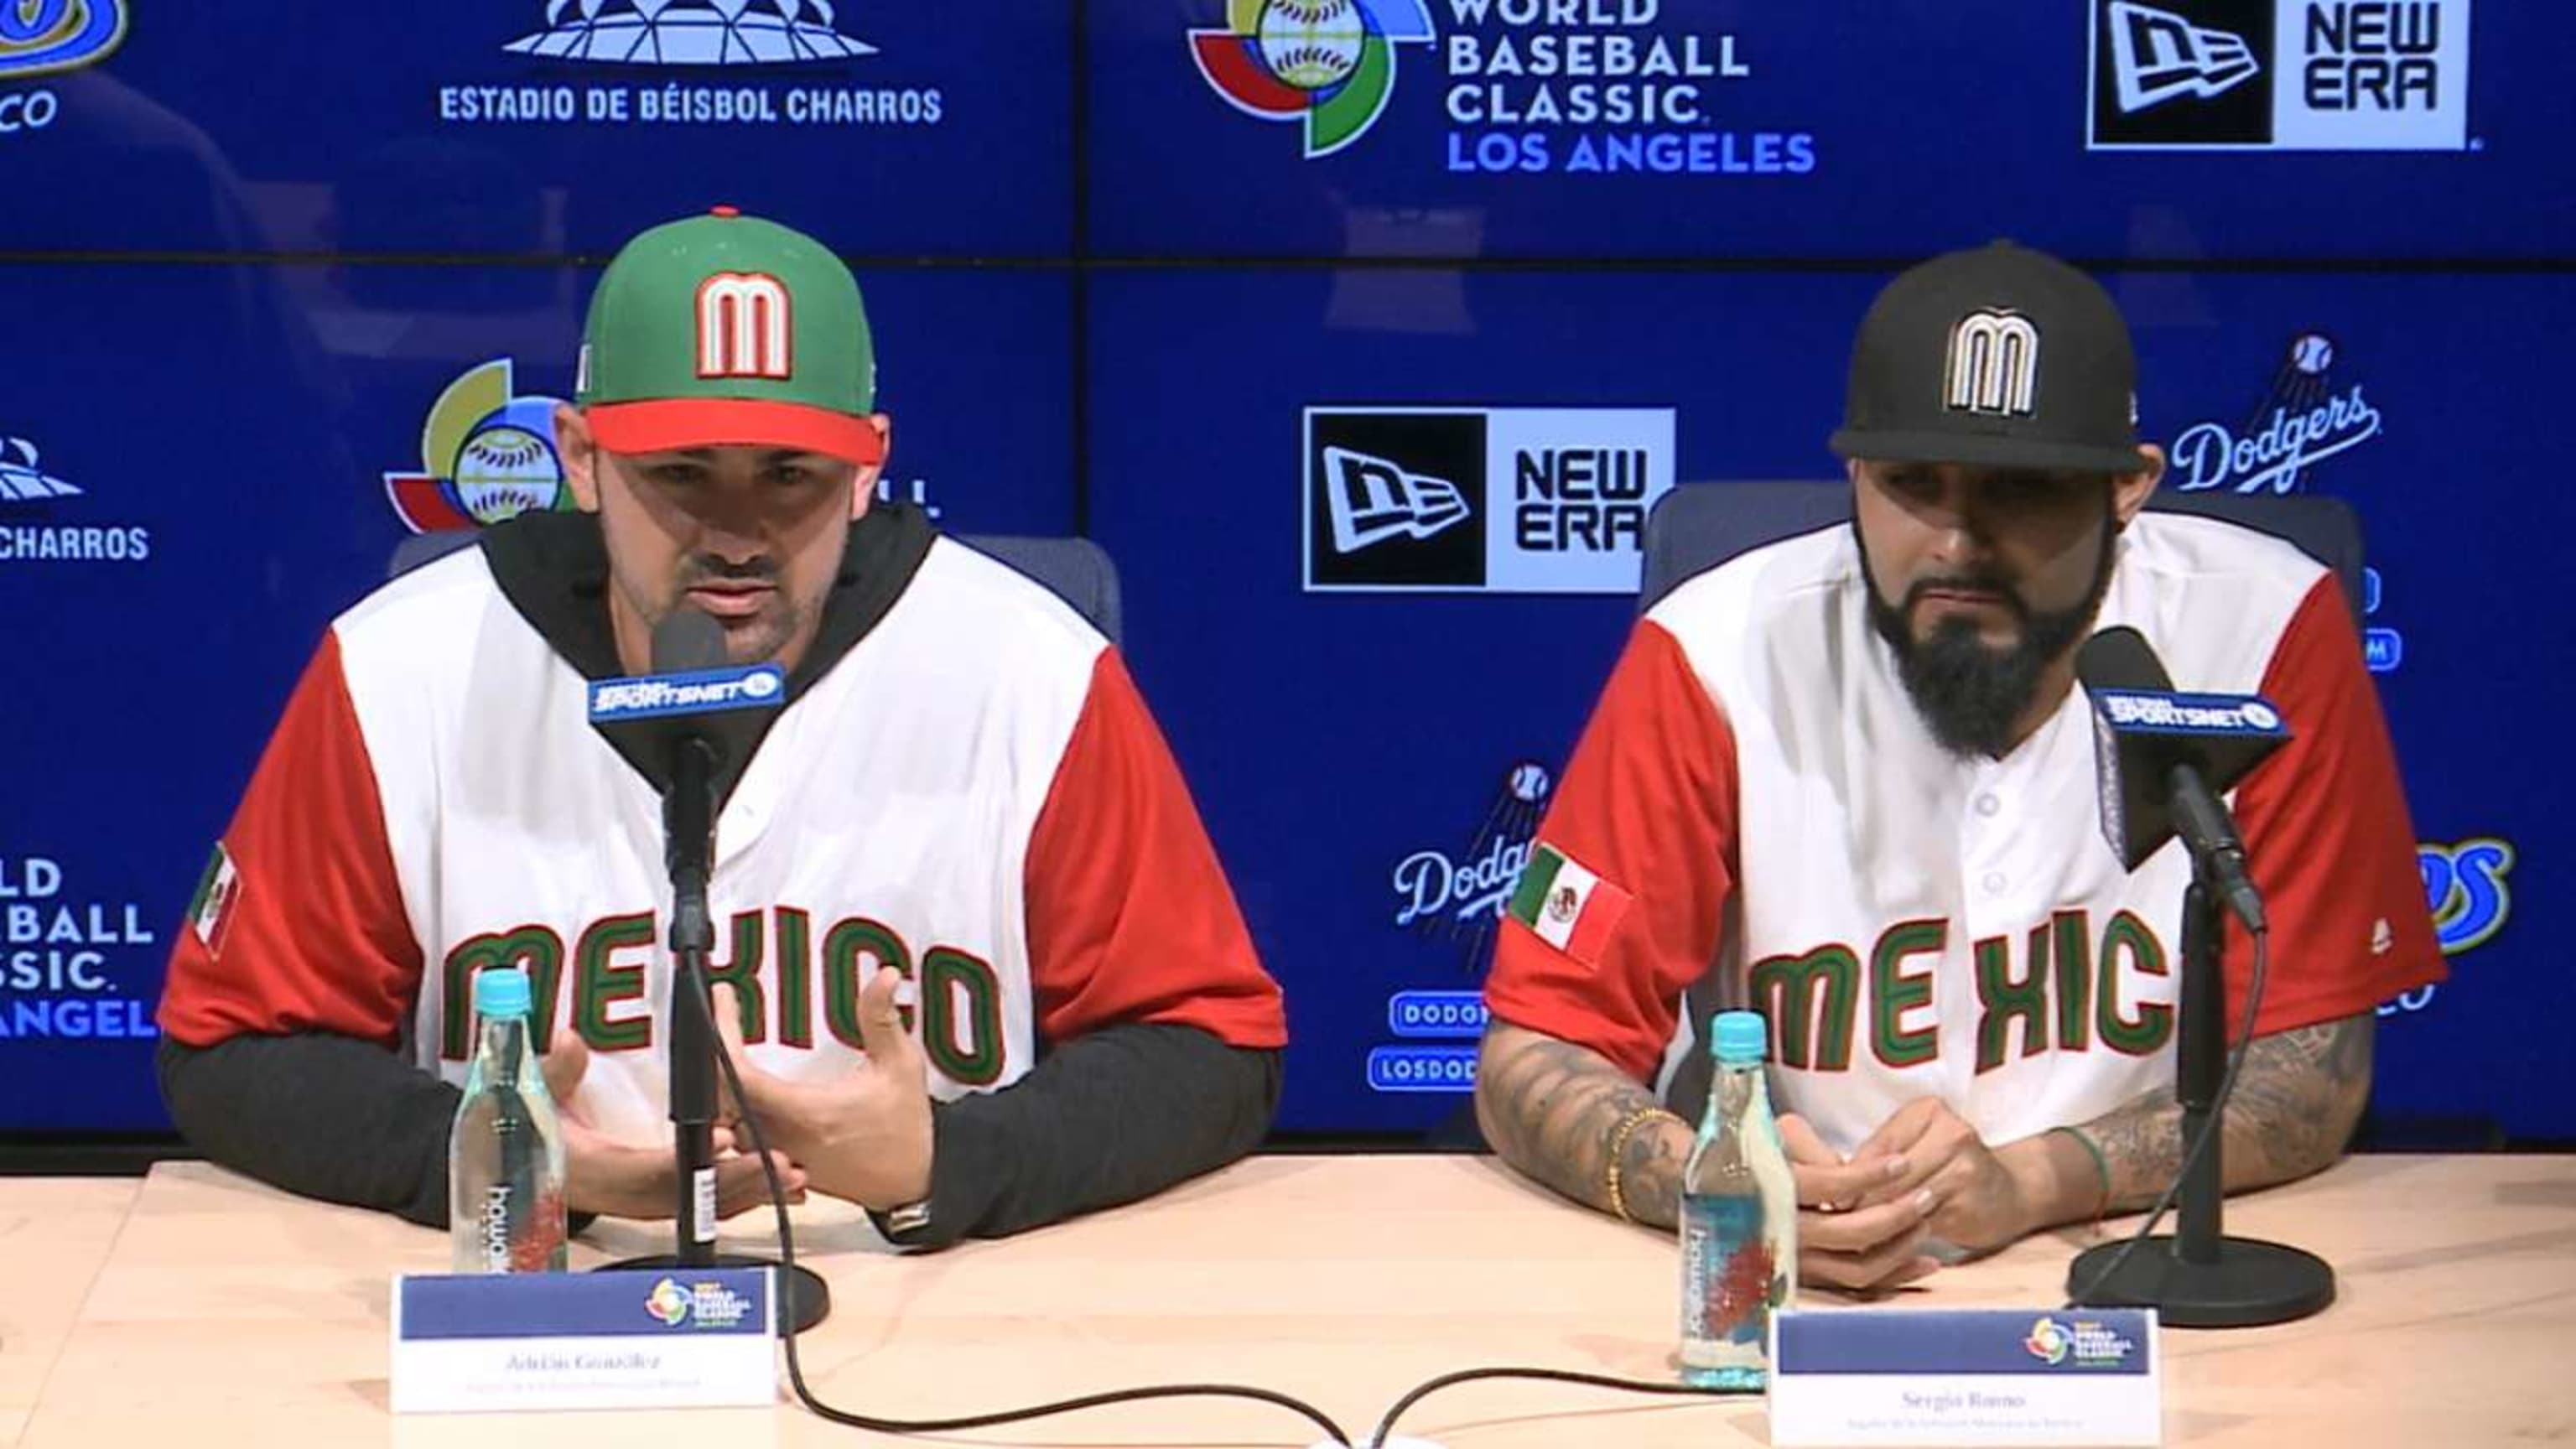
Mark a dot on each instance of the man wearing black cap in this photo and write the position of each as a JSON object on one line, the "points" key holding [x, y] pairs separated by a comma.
{"points": [[1849, 773]]}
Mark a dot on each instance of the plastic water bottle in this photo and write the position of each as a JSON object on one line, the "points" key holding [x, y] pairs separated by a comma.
{"points": [[1739, 1217], [505, 1156]]}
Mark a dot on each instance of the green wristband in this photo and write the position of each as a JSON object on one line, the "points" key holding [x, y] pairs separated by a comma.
{"points": [[2101, 1165]]}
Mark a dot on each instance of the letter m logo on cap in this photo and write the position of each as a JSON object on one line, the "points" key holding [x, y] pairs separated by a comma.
{"points": [[1993, 366], [745, 326]]}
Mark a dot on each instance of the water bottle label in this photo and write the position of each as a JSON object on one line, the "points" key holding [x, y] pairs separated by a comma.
{"points": [[1730, 1282], [704, 1228], [517, 1231]]}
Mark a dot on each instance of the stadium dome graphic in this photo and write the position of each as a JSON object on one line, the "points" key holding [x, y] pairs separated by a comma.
{"points": [[691, 32]]}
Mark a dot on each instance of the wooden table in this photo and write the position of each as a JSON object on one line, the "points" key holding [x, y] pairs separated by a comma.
{"points": [[228, 1313], [55, 1234]]}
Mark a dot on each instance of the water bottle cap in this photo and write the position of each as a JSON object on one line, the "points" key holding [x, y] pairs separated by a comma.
{"points": [[501, 991], [1740, 1038]]}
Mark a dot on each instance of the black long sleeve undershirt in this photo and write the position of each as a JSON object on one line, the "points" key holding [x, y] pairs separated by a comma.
{"points": [[1103, 1119]]}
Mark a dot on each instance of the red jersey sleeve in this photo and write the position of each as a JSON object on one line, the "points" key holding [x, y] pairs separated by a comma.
{"points": [[2327, 834], [1130, 918], [1648, 807], [298, 923]]}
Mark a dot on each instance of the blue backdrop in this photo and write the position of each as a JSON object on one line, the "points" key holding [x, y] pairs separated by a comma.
{"points": [[1138, 271]]}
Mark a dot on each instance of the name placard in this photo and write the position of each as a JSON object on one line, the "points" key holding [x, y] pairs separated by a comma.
{"points": [[1910, 1376], [523, 1341]]}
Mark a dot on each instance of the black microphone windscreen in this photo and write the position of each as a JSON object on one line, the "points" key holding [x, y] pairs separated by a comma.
{"points": [[2120, 658], [688, 640]]}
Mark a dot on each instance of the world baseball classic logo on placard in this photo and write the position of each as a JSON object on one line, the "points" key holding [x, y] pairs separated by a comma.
{"points": [[1330, 64]]}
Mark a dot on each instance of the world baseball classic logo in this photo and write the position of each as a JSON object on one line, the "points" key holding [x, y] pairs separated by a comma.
{"points": [[1329, 63]]}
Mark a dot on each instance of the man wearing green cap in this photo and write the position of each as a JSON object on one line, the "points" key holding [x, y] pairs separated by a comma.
{"points": [[1848, 776], [975, 954]]}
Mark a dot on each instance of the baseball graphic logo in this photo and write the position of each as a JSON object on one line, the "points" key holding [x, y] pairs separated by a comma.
{"points": [[2312, 354], [1529, 782], [507, 467], [487, 455], [1312, 44]]}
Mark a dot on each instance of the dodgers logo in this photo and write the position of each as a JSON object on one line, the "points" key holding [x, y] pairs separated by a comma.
{"points": [[1461, 897], [1330, 64], [2306, 416]]}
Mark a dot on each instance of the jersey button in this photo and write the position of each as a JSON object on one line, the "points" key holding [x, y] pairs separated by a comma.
{"points": [[1995, 882], [1988, 805]]}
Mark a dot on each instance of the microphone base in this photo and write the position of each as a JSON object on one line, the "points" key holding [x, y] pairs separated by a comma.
{"points": [[2253, 1282], [804, 1299]]}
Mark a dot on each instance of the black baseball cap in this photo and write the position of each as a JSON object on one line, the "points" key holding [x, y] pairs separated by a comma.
{"points": [[2001, 356]]}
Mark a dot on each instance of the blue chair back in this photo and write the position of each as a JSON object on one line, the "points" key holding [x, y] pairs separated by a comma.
{"points": [[1698, 526]]}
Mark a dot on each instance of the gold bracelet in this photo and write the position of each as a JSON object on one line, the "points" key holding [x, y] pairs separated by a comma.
{"points": [[1619, 1136]]}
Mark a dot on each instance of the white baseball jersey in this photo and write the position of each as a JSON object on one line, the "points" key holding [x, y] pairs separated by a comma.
{"points": [[1757, 796], [973, 794]]}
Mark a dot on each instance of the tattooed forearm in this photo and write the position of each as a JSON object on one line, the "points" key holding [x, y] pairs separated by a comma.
{"points": [[1550, 1107], [2295, 1106]]}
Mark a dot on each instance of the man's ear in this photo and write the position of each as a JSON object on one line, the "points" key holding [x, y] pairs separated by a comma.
{"points": [[580, 452], [2130, 491], [865, 491]]}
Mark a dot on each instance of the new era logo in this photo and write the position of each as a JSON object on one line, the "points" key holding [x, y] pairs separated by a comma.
{"points": [[2280, 75], [1517, 500], [2157, 56], [1372, 500], [1395, 498]]}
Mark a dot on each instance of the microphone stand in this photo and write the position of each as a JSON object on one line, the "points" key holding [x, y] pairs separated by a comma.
{"points": [[2196, 1276], [689, 832]]}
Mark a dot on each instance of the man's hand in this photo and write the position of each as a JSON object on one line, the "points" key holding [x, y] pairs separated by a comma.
{"points": [[1981, 1199], [866, 1136], [606, 1176], [1853, 1232]]}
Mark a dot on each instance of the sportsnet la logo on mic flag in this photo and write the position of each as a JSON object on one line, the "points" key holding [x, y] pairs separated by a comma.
{"points": [[1568, 905]]}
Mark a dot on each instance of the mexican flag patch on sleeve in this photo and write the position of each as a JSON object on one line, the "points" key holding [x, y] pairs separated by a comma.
{"points": [[1567, 905], [210, 914]]}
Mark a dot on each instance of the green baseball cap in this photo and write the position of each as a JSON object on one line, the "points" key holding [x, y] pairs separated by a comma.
{"points": [[726, 329]]}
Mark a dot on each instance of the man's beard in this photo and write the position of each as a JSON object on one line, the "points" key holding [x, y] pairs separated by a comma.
{"points": [[1971, 696]]}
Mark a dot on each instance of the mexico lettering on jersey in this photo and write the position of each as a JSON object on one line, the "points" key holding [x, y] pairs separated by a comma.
{"points": [[974, 795], [1914, 924]]}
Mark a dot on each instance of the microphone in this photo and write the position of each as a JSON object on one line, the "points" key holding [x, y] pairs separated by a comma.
{"points": [[694, 697], [688, 725], [2163, 758]]}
